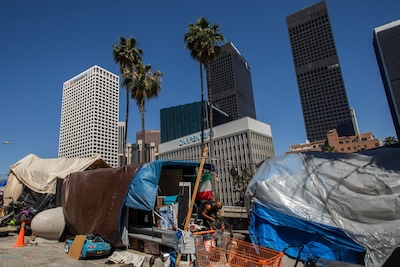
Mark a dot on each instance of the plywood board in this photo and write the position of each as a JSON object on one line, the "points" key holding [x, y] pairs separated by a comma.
{"points": [[76, 248]]}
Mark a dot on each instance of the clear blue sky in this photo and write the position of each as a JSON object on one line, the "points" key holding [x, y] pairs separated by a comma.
{"points": [[44, 43]]}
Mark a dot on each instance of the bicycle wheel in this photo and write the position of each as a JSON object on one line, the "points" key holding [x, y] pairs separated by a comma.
{"points": [[221, 224]]}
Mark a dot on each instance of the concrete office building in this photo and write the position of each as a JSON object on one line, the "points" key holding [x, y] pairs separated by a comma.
{"points": [[386, 43], [89, 116], [230, 83], [319, 78], [152, 139], [185, 119], [242, 143]]}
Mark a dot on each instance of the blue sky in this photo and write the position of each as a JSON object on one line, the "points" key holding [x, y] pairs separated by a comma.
{"points": [[44, 43]]}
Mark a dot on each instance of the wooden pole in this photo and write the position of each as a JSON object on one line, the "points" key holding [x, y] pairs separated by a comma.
{"points": [[195, 189]]}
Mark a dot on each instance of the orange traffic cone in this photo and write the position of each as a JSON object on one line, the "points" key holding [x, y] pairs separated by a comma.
{"points": [[21, 237]]}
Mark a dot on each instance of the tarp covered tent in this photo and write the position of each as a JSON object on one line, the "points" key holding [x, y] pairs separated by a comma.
{"points": [[40, 175], [94, 201], [333, 204]]}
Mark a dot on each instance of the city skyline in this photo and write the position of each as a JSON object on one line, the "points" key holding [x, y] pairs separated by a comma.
{"points": [[43, 46]]}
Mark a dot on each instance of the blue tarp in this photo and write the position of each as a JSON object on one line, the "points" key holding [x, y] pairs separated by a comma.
{"points": [[334, 204], [142, 192]]}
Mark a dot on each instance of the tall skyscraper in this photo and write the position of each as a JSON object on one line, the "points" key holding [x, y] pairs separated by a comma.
{"points": [[318, 73], [230, 83], [387, 49], [89, 116]]}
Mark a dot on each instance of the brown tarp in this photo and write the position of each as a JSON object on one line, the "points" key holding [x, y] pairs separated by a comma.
{"points": [[93, 201]]}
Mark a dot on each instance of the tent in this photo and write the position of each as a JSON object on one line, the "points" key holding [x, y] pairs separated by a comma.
{"points": [[334, 206], [94, 201], [40, 175]]}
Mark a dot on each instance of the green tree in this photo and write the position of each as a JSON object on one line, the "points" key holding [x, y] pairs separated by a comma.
{"points": [[126, 55], [390, 140], [145, 85], [202, 40], [329, 149]]}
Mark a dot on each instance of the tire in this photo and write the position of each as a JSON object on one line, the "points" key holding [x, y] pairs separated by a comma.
{"points": [[66, 247], [221, 224]]}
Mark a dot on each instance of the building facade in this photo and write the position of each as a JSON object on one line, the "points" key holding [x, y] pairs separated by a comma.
{"points": [[242, 144], [230, 83], [121, 140], [89, 116], [152, 141], [182, 120], [386, 43], [343, 144], [319, 78]]}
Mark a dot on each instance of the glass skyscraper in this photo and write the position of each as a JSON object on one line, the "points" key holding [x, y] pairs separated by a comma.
{"points": [[230, 83], [89, 116], [319, 78], [182, 120], [386, 43]]}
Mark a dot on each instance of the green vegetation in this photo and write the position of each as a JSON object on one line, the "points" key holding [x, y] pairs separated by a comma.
{"points": [[138, 79], [126, 55], [202, 40], [390, 140]]}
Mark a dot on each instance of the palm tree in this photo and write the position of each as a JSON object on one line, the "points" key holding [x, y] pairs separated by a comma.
{"points": [[127, 55], [202, 39], [145, 84], [390, 140]]}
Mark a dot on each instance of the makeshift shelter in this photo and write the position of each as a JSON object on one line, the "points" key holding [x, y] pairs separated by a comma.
{"points": [[95, 201], [333, 205], [40, 175]]}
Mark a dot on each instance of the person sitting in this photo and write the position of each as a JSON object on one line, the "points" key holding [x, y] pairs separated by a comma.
{"points": [[210, 210]]}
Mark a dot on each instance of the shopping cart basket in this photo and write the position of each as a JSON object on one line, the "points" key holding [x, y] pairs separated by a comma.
{"points": [[216, 249]]}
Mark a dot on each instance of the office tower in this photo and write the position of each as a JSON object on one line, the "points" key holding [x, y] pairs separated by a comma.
{"points": [[387, 49], [242, 144], [182, 120], [318, 73], [230, 83], [89, 116]]}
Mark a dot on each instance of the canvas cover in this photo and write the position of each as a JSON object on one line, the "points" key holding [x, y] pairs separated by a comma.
{"points": [[333, 204], [40, 175], [93, 201]]}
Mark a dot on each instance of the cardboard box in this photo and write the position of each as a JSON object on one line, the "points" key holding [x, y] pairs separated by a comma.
{"points": [[151, 248], [134, 243]]}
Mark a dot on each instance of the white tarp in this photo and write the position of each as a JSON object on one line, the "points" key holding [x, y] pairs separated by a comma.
{"points": [[357, 192], [40, 175]]}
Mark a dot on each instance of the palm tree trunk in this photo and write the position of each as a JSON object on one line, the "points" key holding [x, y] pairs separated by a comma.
{"points": [[124, 160], [144, 159], [202, 106], [210, 114]]}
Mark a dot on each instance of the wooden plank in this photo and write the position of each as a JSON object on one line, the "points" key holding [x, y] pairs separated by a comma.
{"points": [[196, 187], [76, 248]]}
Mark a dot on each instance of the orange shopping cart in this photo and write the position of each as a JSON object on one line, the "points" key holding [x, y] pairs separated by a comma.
{"points": [[214, 249]]}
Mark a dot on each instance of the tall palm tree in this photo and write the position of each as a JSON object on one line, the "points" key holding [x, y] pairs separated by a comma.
{"points": [[127, 55], [202, 40], [146, 84]]}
